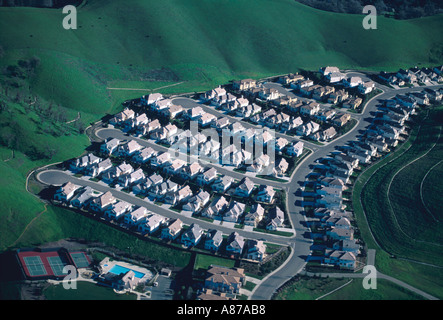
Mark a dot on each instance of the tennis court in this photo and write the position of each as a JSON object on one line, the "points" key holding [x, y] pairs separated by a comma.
{"points": [[80, 259], [35, 266], [57, 265]]}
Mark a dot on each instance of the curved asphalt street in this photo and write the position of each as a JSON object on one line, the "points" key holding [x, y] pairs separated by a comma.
{"points": [[301, 242]]}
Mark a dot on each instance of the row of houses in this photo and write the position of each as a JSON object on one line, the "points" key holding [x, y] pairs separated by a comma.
{"points": [[283, 122], [413, 76], [333, 75], [141, 220]]}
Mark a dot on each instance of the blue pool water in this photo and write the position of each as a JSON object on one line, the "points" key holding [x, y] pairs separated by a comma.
{"points": [[119, 270]]}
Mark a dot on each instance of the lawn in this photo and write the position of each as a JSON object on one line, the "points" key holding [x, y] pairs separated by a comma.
{"points": [[385, 291], [310, 288], [203, 261]]}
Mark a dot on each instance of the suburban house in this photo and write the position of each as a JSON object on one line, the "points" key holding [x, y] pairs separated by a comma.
{"points": [[214, 93], [131, 178], [295, 149], [276, 217], [66, 192], [159, 191], [117, 210], [281, 167], [253, 217], [171, 232], [175, 167], [226, 280], [82, 163], [342, 259], [222, 184], [83, 197], [341, 119], [161, 160], [151, 224], [207, 120], [310, 109], [129, 149], [329, 133], [366, 87], [110, 146], [260, 163], [235, 244], [265, 194], [321, 93], [101, 203], [191, 171], [197, 202], [325, 115], [245, 188], [122, 116], [192, 236], [256, 250], [213, 240], [352, 82], [338, 96], [244, 84], [290, 78], [334, 77], [173, 111], [161, 104], [97, 169], [235, 210], [218, 206], [144, 155], [114, 173], [268, 94], [407, 76], [151, 98], [352, 103], [328, 70], [302, 84], [207, 177], [133, 218], [340, 233]]}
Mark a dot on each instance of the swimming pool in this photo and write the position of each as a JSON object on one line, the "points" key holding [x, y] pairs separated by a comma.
{"points": [[117, 269]]}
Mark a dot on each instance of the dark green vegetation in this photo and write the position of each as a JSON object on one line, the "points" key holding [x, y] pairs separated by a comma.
{"points": [[310, 288], [85, 291], [49, 76], [400, 9], [404, 224]]}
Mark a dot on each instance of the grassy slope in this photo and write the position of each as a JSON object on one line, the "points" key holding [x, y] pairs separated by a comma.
{"points": [[204, 43], [422, 276]]}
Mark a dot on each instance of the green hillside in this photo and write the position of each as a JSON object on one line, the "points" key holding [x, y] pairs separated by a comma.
{"points": [[151, 44]]}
